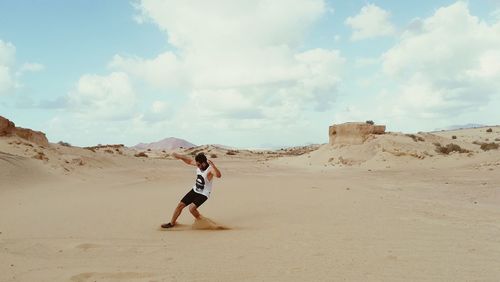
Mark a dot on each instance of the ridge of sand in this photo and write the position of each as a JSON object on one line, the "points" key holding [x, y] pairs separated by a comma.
{"points": [[382, 151]]}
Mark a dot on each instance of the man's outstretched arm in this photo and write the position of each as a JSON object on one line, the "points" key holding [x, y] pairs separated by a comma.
{"points": [[185, 159]]}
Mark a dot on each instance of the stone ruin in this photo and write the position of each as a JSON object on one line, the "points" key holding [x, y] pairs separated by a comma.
{"points": [[8, 128], [353, 133]]}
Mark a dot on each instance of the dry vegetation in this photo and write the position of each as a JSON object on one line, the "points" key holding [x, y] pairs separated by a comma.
{"points": [[141, 155], [40, 156], [415, 137], [297, 151], [489, 146], [446, 150], [106, 147], [65, 144]]}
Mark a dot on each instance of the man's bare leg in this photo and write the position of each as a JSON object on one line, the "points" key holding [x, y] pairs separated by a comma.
{"points": [[177, 212], [194, 211]]}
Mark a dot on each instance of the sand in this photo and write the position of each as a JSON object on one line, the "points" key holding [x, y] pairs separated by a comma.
{"points": [[376, 216]]}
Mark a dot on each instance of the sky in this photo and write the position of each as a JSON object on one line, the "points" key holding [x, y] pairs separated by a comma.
{"points": [[260, 73]]}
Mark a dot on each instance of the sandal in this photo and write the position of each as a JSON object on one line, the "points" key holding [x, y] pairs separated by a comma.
{"points": [[167, 225]]}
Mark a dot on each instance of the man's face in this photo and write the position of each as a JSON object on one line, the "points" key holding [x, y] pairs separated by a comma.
{"points": [[202, 166]]}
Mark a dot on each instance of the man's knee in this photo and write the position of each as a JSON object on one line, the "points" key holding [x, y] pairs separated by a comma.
{"points": [[181, 206], [193, 208]]}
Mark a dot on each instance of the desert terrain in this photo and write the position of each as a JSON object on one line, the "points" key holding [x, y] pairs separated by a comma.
{"points": [[398, 207]]}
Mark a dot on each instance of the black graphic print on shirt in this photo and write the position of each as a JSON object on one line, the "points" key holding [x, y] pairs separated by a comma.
{"points": [[200, 183]]}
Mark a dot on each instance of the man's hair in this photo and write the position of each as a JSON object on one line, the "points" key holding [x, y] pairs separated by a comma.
{"points": [[201, 158]]}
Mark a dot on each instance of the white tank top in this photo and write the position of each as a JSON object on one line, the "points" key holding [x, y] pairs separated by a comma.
{"points": [[202, 185]]}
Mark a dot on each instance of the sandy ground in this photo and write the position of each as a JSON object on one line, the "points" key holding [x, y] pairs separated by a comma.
{"points": [[286, 222]]}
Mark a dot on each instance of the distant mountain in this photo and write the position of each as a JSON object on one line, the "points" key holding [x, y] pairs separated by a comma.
{"points": [[170, 143], [463, 126]]}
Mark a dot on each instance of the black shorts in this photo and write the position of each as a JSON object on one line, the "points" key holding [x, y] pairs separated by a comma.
{"points": [[193, 197]]}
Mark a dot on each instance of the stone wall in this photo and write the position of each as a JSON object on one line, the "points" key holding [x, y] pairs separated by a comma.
{"points": [[353, 133]]}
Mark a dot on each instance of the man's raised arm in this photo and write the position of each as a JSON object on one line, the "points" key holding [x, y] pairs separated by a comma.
{"points": [[216, 170], [185, 159]]}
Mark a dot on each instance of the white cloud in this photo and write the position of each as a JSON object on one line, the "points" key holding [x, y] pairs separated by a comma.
{"points": [[9, 71], [313, 87], [7, 60], [31, 67], [158, 112], [198, 25], [446, 67], [496, 14], [166, 70], [6, 80], [7, 53], [371, 22], [110, 97], [235, 66], [364, 62], [237, 60], [322, 76], [159, 107]]}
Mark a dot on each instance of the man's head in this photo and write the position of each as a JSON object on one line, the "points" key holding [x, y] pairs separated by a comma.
{"points": [[201, 161]]}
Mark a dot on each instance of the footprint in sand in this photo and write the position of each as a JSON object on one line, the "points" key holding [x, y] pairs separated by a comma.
{"points": [[87, 246]]}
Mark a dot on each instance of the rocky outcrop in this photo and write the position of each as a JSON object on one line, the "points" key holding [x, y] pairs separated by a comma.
{"points": [[353, 133], [8, 128], [36, 137]]}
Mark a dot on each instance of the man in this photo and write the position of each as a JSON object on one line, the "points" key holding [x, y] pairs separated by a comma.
{"points": [[201, 190]]}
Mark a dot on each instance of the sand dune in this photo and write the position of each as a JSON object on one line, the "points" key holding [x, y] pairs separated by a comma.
{"points": [[390, 209]]}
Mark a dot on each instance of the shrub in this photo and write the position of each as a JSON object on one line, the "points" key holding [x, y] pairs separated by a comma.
{"points": [[453, 137], [449, 148], [489, 130], [489, 146], [232, 152], [213, 156], [40, 156], [141, 155], [415, 137], [370, 122], [108, 151], [497, 139], [196, 151], [65, 144]]}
